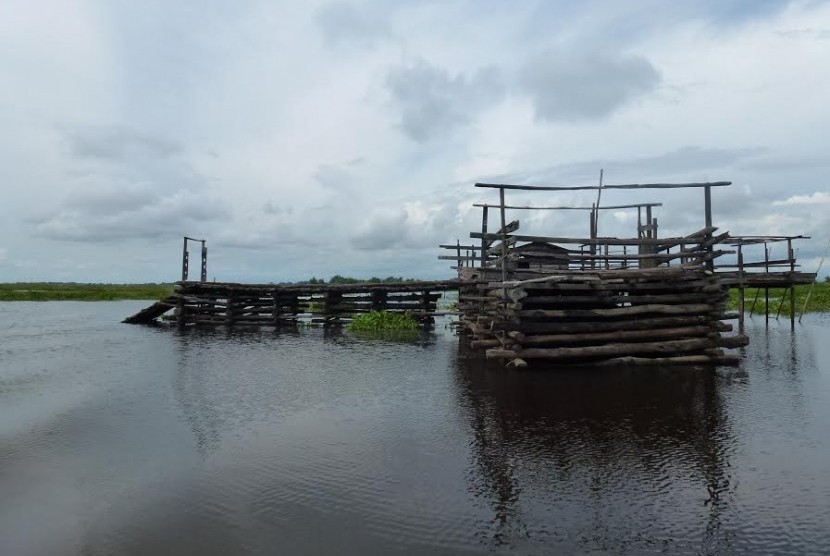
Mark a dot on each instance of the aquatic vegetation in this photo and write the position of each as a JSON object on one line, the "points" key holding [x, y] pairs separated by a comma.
{"points": [[377, 321], [819, 299], [73, 291]]}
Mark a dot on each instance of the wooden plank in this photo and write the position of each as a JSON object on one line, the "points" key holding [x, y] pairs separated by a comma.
{"points": [[595, 187]]}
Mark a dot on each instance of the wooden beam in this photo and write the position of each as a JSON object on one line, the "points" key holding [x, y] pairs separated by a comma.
{"points": [[595, 187]]}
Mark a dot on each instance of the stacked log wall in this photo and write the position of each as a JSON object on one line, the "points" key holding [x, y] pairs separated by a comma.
{"points": [[657, 316]]}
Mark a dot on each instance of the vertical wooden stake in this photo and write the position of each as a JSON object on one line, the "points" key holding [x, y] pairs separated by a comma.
{"points": [[484, 242]]}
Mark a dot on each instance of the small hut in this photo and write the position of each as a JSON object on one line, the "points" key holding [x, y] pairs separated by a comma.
{"points": [[541, 255]]}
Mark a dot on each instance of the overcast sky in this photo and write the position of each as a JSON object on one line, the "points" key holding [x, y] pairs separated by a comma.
{"points": [[316, 137]]}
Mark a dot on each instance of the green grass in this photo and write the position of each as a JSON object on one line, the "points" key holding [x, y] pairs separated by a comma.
{"points": [[72, 291], [819, 299], [381, 321]]}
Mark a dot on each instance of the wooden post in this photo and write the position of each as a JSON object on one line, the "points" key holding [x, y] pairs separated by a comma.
{"points": [[184, 261], [229, 309], [707, 200], [276, 313], [766, 290], [791, 256], [741, 290], [204, 262], [483, 231], [458, 254], [503, 239]]}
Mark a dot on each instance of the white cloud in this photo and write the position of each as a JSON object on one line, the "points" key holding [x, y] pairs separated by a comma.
{"points": [[817, 198]]}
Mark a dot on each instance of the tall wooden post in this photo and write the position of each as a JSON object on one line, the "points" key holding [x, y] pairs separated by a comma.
{"points": [[184, 260], [741, 290], [766, 290], [791, 256], [204, 262], [484, 242], [503, 239], [707, 200]]}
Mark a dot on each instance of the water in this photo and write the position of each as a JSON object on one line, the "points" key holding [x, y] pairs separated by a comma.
{"points": [[118, 439]]}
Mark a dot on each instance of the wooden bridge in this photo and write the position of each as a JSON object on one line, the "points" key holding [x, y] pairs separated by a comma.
{"points": [[231, 304]]}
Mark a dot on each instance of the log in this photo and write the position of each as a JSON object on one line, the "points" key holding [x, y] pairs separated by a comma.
{"points": [[608, 337], [605, 351], [574, 327], [670, 299], [649, 309], [736, 341]]}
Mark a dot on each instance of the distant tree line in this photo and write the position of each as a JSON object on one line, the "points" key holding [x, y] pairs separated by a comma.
{"points": [[338, 279]]}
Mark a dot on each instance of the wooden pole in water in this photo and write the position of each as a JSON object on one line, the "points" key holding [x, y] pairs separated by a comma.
{"points": [[766, 290], [791, 256], [741, 291]]}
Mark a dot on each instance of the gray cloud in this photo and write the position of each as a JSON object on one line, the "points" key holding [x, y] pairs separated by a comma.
{"points": [[117, 143], [112, 216], [432, 101], [574, 86], [342, 22], [383, 230], [682, 161]]}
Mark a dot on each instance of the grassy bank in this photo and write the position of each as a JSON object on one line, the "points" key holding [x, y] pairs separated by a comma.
{"points": [[819, 299], [71, 291]]}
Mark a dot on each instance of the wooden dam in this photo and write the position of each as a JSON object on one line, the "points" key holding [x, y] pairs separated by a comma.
{"points": [[593, 300]]}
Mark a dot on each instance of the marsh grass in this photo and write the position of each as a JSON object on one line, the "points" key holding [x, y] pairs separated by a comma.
{"points": [[72, 291], [819, 299]]}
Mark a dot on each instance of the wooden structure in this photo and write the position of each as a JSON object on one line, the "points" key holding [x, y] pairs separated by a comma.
{"points": [[229, 304], [642, 300]]}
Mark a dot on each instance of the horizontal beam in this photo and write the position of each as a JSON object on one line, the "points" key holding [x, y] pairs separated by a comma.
{"points": [[614, 207], [595, 241], [595, 187]]}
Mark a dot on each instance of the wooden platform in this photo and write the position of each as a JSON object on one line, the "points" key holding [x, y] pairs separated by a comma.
{"points": [[230, 304]]}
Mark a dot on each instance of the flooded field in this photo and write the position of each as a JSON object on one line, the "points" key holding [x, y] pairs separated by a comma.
{"points": [[118, 439]]}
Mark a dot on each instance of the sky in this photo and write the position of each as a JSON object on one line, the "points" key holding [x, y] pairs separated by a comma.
{"points": [[315, 138]]}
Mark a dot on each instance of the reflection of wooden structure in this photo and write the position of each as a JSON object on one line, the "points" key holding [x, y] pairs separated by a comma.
{"points": [[604, 300]]}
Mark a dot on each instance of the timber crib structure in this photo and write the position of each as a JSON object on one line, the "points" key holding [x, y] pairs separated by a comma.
{"points": [[604, 301], [232, 304]]}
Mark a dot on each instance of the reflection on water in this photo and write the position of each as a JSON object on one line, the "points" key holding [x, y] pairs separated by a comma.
{"points": [[583, 445], [128, 440]]}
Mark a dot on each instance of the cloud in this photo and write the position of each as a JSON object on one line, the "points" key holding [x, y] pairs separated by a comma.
{"points": [[117, 143], [343, 23], [140, 215], [572, 86], [432, 101], [417, 225], [683, 161], [817, 198], [383, 230]]}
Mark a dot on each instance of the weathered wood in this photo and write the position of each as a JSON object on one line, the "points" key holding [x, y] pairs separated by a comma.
{"points": [[649, 309], [594, 187], [607, 350], [615, 336], [600, 326]]}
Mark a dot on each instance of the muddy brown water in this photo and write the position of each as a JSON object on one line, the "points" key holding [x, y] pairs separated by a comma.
{"points": [[119, 439]]}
